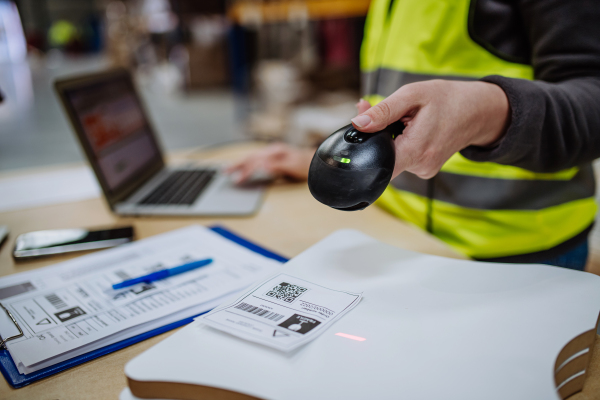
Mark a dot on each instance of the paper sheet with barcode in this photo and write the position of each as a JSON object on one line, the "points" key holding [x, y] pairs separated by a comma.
{"points": [[71, 308], [283, 312]]}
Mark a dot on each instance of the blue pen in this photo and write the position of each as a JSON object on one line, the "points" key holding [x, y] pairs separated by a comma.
{"points": [[163, 273]]}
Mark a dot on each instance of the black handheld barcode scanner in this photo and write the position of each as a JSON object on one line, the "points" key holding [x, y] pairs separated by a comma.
{"points": [[351, 169]]}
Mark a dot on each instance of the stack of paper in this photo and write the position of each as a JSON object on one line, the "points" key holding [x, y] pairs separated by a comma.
{"points": [[46, 188], [70, 308]]}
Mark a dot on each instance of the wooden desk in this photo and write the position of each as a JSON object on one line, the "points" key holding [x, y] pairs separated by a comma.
{"points": [[289, 221]]}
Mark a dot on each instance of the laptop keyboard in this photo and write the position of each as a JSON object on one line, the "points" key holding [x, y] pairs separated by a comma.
{"points": [[180, 188]]}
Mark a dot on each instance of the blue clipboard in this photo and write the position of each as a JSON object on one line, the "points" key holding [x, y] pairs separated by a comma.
{"points": [[17, 380]]}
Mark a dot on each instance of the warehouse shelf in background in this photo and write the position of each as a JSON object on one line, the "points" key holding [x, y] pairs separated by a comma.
{"points": [[243, 12]]}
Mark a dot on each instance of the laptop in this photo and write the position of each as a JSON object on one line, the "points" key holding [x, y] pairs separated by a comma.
{"points": [[119, 142]]}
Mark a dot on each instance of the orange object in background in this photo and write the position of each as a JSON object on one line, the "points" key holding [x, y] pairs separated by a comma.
{"points": [[283, 10]]}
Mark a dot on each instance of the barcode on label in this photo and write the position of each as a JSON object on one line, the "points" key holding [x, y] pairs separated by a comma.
{"points": [[261, 312], [56, 301]]}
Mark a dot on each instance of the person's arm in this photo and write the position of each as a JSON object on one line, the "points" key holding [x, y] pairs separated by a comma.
{"points": [[555, 120], [276, 160], [441, 117]]}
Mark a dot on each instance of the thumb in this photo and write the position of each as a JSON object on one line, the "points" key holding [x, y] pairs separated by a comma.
{"points": [[388, 111]]}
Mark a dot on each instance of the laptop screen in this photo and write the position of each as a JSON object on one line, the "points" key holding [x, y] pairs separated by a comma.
{"points": [[115, 128]]}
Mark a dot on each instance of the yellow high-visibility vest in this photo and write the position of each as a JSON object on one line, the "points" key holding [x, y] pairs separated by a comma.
{"points": [[482, 209]]}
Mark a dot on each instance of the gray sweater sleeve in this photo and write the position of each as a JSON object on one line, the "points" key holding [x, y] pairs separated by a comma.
{"points": [[555, 120]]}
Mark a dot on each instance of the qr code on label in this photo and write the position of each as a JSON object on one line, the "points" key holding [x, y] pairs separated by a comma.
{"points": [[286, 292]]}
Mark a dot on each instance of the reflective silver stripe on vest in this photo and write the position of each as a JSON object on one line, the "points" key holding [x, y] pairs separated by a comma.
{"points": [[386, 81], [501, 194]]}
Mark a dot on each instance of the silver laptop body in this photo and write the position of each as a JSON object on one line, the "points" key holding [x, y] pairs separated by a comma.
{"points": [[119, 142]]}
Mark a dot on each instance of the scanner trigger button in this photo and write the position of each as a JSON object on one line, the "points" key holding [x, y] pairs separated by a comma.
{"points": [[355, 136]]}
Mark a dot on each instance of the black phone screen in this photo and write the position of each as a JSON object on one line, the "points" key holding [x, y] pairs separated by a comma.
{"points": [[41, 243]]}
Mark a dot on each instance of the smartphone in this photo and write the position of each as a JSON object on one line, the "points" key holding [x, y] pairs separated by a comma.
{"points": [[60, 241]]}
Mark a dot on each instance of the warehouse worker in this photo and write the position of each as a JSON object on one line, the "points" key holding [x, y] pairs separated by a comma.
{"points": [[501, 102]]}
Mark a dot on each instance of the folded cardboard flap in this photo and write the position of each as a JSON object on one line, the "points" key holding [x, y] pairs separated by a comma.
{"points": [[572, 363], [183, 391], [569, 376], [428, 322]]}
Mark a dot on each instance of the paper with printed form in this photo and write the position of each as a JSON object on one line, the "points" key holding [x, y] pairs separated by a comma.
{"points": [[284, 312], [72, 305]]}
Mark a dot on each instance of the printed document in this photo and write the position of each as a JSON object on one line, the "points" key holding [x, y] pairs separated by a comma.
{"points": [[72, 305], [284, 312]]}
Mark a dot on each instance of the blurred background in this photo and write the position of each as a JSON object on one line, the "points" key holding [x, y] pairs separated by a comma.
{"points": [[209, 71]]}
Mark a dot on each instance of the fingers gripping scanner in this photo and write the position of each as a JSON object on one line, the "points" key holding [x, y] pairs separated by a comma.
{"points": [[351, 169]]}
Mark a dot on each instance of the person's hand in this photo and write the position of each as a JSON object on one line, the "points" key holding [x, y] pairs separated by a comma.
{"points": [[275, 160], [441, 118]]}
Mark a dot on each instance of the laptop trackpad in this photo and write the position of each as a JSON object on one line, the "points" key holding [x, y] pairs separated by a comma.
{"points": [[224, 197]]}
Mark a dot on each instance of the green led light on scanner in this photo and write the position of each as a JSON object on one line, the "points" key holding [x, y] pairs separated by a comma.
{"points": [[341, 159]]}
